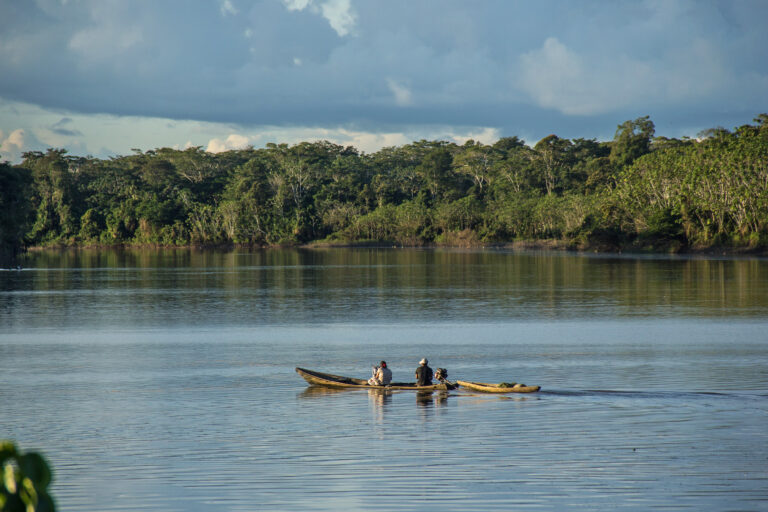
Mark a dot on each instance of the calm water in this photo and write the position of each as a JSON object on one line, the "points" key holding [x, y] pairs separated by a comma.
{"points": [[163, 380]]}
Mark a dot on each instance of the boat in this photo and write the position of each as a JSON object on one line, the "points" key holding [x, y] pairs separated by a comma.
{"points": [[503, 387], [329, 380]]}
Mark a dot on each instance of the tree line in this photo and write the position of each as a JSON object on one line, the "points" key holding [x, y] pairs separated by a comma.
{"points": [[637, 191]]}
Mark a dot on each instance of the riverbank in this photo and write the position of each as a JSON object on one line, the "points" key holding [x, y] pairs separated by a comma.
{"points": [[515, 245]]}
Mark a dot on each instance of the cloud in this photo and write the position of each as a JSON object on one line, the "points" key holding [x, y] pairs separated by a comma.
{"points": [[233, 141], [104, 136], [557, 77], [61, 128], [371, 142], [227, 9], [297, 5], [524, 68], [485, 135], [402, 94], [338, 13], [368, 142], [105, 41], [17, 142], [574, 83], [110, 32], [13, 146]]}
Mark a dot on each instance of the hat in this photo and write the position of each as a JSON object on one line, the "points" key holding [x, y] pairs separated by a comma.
{"points": [[424, 362]]}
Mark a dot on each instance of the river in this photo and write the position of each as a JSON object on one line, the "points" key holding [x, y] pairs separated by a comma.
{"points": [[164, 380]]}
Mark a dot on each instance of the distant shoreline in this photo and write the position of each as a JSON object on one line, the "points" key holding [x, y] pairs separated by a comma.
{"points": [[553, 245], [636, 194]]}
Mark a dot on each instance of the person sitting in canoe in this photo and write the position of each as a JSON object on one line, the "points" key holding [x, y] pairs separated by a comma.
{"points": [[382, 375], [423, 373]]}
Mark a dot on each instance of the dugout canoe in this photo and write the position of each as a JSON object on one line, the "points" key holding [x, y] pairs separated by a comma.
{"points": [[485, 387], [329, 380]]}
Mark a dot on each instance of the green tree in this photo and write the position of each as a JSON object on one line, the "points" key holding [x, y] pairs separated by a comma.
{"points": [[477, 162], [589, 165], [15, 211], [632, 140], [436, 175], [514, 168], [636, 189], [54, 199], [247, 203], [552, 159]]}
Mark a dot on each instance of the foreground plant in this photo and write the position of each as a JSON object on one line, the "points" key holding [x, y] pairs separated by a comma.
{"points": [[24, 480]]}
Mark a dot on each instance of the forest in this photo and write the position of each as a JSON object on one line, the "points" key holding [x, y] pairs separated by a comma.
{"points": [[637, 192]]}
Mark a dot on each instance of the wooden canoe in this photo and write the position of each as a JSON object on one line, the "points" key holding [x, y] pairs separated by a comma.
{"points": [[484, 387], [337, 381]]}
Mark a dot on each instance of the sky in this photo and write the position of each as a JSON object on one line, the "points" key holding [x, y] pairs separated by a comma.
{"points": [[102, 77]]}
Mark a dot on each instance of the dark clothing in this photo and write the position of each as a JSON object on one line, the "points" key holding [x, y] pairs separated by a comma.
{"points": [[424, 376]]}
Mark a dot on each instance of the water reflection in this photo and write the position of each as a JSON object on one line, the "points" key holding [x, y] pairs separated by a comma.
{"points": [[321, 392], [179, 286], [511, 397], [379, 400], [432, 398], [171, 377]]}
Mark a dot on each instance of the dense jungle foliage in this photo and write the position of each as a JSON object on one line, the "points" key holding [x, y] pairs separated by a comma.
{"points": [[636, 192]]}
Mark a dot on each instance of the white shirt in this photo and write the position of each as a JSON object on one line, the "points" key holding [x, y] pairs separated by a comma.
{"points": [[384, 375]]}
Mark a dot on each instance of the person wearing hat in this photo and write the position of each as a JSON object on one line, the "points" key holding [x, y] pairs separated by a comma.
{"points": [[423, 373], [382, 375]]}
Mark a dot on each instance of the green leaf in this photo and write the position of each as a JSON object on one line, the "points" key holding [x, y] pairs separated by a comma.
{"points": [[34, 467], [28, 493], [7, 450], [9, 478]]}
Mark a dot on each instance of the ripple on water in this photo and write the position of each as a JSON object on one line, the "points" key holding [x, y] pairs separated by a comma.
{"points": [[172, 389]]}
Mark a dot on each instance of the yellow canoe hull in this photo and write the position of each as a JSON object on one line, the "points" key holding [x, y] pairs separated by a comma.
{"points": [[485, 387]]}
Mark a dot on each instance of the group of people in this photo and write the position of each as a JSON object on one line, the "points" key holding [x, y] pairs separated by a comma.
{"points": [[382, 376]]}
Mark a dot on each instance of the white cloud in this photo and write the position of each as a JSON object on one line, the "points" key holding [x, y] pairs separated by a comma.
{"points": [[297, 5], [579, 84], [13, 146], [370, 142], [486, 136], [556, 77], [338, 13], [402, 93], [233, 141], [227, 8], [340, 16], [26, 127]]}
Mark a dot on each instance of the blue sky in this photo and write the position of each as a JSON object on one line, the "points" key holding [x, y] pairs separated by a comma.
{"points": [[100, 77]]}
